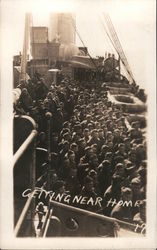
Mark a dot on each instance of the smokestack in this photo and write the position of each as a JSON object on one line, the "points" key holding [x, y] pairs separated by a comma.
{"points": [[53, 26], [62, 28]]}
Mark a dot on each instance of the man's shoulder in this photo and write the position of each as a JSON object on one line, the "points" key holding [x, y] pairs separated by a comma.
{"points": [[108, 190], [116, 210]]}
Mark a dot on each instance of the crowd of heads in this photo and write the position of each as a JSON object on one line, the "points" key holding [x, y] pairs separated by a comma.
{"points": [[92, 150]]}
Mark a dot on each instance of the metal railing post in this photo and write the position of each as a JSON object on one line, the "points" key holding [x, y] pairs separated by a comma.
{"points": [[22, 216], [32, 185], [24, 146], [48, 116]]}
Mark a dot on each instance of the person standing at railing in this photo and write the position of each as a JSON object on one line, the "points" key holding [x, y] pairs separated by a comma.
{"points": [[41, 213], [25, 100]]}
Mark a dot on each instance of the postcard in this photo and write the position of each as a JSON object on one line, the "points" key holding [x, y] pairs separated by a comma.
{"points": [[78, 124]]}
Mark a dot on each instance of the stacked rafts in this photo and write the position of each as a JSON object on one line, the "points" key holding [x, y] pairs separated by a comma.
{"points": [[121, 95]]}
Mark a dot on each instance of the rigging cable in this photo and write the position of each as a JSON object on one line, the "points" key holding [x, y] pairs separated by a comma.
{"points": [[118, 46], [109, 36], [117, 50], [117, 41], [74, 25], [106, 38]]}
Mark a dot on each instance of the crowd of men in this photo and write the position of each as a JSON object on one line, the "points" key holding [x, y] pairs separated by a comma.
{"points": [[92, 151]]}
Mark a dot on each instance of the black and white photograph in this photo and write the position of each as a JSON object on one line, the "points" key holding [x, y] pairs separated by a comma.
{"points": [[78, 130]]}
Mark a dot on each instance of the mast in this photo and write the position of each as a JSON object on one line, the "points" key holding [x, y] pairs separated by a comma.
{"points": [[25, 46]]}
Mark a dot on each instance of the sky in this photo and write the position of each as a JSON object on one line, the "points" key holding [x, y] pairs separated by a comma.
{"points": [[134, 22]]}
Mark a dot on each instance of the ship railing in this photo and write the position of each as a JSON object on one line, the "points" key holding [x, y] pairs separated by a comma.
{"points": [[66, 220], [24, 146], [31, 134], [83, 223]]}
